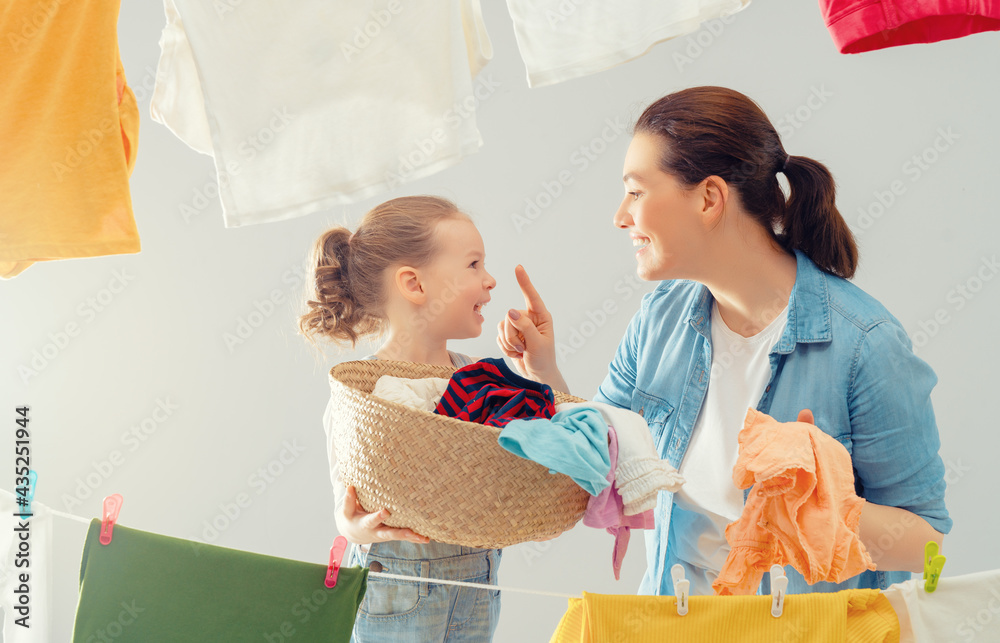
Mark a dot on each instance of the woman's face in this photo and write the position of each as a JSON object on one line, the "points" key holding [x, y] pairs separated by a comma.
{"points": [[662, 218]]}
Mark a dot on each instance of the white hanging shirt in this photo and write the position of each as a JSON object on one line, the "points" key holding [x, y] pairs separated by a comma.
{"points": [[709, 499], [25, 551], [962, 608], [564, 39], [306, 104]]}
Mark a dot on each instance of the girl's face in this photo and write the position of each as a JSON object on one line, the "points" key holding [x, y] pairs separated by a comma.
{"points": [[661, 216], [456, 282]]}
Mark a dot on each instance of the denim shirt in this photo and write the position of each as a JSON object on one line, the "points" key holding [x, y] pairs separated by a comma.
{"points": [[842, 354]]}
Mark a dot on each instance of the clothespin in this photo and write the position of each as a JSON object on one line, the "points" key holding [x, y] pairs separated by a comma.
{"points": [[112, 505], [29, 493], [32, 483], [779, 585], [933, 563], [336, 560], [681, 588]]}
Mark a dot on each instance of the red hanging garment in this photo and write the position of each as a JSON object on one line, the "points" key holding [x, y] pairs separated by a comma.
{"points": [[865, 25]]}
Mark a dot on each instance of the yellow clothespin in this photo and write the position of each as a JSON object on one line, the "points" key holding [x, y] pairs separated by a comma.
{"points": [[933, 563]]}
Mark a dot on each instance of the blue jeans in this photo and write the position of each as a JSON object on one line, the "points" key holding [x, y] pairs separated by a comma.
{"points": [[403, 611]]}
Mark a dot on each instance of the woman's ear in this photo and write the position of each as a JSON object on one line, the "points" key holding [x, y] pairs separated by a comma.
{"points": [[714, 192], [406, 280]]}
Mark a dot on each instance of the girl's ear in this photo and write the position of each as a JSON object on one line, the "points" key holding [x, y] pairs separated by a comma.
{"points": [[406, 279]]}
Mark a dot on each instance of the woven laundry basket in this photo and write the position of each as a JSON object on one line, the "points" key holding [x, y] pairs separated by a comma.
{"points": [[444, 478]]}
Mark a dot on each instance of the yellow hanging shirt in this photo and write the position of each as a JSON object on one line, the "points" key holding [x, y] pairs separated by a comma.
{"points": [[855, 615], [69, 126]]}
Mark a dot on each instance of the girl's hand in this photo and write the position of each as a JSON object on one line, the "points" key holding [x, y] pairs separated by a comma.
{"points": [[360, 527], [527, 337]]}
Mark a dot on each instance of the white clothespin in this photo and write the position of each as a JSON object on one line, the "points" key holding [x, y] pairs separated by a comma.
{"points": [[681, 588], [779, 583]]}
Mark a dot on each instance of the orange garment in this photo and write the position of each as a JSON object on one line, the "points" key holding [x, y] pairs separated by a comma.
{"points": [[855, 615], [69, 125], [801, 512]]}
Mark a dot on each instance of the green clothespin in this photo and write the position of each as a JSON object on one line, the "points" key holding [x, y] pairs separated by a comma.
{"points": [[933, 563]]}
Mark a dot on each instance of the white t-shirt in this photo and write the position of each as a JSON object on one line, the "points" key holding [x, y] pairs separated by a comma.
{"points": [[39, 571], [563, 39], [310, 104], [709, 499]]}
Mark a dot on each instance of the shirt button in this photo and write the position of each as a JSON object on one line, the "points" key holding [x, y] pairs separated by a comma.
{"points": [[375, 566], [641, 411]]}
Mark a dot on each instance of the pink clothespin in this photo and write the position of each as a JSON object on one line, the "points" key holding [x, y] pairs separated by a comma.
{"points": [[336, 560], [112, 505]]}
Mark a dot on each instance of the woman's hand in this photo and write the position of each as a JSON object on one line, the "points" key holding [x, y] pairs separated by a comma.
{"points": [[527, 337], [361, 527]]}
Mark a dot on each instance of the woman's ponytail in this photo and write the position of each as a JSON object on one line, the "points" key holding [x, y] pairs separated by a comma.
{"points": [[811, 221]]}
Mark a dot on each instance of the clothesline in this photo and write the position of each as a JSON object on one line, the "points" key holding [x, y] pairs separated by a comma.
{"points": [[85, 521], [421, 579], [494, 588]]}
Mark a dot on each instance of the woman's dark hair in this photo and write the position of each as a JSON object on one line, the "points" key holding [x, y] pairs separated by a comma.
{"points": [[719, 131], [347, 299]]}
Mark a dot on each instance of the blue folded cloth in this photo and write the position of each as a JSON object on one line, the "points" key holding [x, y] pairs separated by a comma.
{"points": [[573, 442]]}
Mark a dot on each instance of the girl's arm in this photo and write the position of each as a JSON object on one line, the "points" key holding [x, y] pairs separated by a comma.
{"points": [[353, 522], [555, 380]]}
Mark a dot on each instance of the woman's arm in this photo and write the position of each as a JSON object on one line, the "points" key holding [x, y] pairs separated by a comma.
{"points": [[894, 450], [895, 537]]}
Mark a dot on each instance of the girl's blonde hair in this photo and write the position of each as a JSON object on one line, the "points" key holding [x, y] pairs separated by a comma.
{"points": [[347, 297]]}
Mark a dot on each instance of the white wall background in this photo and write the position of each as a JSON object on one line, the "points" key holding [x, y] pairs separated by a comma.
{"points": [[161, 338]]}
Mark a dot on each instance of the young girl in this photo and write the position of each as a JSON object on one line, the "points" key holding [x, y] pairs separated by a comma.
{"points": [[414, 270]]}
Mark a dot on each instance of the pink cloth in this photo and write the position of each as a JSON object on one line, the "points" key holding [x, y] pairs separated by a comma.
{"points": [[608, 510]]}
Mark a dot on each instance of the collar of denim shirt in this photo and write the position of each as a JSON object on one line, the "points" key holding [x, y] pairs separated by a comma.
{"points": [[808, 308]]}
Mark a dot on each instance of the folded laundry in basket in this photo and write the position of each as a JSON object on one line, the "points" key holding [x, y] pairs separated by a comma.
{"points": [[573, 442], [640, 474], [488, 392], [422, 394], [607, 510]]}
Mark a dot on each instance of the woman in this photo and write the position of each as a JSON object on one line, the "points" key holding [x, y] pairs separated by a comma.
{"points": [[753, 310]]}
